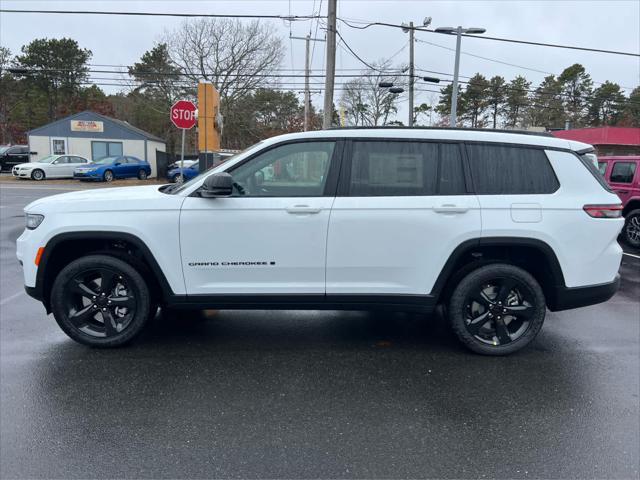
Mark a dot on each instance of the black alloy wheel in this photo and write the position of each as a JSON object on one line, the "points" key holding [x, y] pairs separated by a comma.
{"points": [[100, 301], [497, 309], [631, 230]]}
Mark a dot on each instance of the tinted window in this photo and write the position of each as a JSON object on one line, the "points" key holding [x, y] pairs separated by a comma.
{"points": [[62, 160], [393, 169], [451, 176], [602, 167], [622, 172], [78, 160], [23, 150], [504, 170], [133, 160], [292, 170]]}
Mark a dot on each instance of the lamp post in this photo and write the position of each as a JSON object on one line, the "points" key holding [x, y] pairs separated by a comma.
{"points": [[454, 94]]}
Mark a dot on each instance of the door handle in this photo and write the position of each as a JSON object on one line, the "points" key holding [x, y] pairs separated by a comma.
{"points": [[449, 208], [303, 210]]}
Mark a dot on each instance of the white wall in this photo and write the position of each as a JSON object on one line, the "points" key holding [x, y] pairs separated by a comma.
{"points": [[41, 145]]}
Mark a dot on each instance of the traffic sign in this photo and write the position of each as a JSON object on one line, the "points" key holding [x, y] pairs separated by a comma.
{"points": [[183, 114]]}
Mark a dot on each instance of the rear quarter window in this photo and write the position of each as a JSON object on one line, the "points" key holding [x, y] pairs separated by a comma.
{"points": [[510, 170]]}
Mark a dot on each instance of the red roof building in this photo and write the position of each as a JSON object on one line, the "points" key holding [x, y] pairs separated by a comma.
{"points": [[606, 140]]}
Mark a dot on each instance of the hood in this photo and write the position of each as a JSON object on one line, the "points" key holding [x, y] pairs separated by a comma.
{"points": [[28, 164], [119, 199]]}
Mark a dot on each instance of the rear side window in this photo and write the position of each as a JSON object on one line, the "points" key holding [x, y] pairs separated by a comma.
{"points": [[401, 168], [623, 172], [506, 170], [602, 168]]}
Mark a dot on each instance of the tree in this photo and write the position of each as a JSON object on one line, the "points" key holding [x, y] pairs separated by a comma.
{"points": [[547, 108], [236, 57], [444, 104], [366, 103], [606, 104], [516, 102], [576, 88], [496, 97], [474, 100], [262, 114], [55, 67], [632, 108], [422, 109]]}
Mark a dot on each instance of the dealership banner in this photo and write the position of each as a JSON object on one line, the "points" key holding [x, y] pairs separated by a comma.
{"points": [[86, 126]]}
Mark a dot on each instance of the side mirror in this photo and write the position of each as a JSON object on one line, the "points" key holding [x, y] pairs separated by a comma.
{"points": [[217, 185], [116, 164]]}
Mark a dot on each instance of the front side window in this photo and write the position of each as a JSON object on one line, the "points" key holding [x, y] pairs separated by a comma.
{"points": [[507, 170], [623, 172], [291, 170]]}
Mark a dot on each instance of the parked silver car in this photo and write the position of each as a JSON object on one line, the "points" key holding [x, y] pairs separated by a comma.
{"points": [[53, 166]]}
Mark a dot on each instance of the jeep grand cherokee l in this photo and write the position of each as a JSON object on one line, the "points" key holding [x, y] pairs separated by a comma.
{"points": [[498, 227]]}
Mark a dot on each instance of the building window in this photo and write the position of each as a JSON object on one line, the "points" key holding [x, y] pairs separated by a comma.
{"points": [[105, 149]]}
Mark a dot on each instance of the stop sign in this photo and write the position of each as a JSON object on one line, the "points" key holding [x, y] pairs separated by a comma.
{"points": [[183, 114]]}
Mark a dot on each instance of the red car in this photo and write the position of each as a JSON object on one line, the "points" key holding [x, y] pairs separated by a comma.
{"points": [[623, 176]]}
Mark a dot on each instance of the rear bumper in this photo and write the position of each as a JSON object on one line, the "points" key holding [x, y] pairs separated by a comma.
{"points": [[575, 297]]}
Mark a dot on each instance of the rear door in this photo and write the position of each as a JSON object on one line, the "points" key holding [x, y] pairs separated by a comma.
{"points": [[402, 208], [75, 162], [621, 178]]}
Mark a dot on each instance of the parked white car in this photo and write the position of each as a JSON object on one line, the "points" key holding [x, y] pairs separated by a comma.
{"points": [[53, 166]]}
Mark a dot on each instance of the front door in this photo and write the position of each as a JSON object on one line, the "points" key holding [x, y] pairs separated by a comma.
{"points": [[402, 208], [270, 236], [59, 168]]}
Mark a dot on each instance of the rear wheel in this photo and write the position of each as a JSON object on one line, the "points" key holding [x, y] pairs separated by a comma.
{"points": [[631, 231], [497, 309], [142, 175], [37, 174], [100, 301], [108, 176]]}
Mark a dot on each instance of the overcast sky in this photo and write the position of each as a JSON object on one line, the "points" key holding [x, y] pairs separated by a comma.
{"points": [[612, 25]]}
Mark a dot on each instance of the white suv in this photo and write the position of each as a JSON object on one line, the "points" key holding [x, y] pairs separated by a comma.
{"points": [[495, 226]]}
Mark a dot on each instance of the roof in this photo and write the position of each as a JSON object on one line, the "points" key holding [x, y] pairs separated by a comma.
{"points": [[61, 127], [602, 135], [459, 134]]}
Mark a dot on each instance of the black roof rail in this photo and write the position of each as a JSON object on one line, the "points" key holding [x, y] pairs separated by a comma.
{"points": [[495, 130]]}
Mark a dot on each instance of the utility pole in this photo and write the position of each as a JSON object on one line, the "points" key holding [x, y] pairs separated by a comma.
{"points": [[411, 73], [331, 64], [307, 73]]}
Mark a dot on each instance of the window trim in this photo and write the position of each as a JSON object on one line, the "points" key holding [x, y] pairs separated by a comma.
{"points": [[512, 145], [344, 182], [335, 163]]}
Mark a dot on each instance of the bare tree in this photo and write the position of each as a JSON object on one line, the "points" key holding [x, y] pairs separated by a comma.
{"points": [[234, 56], [365, 102]]}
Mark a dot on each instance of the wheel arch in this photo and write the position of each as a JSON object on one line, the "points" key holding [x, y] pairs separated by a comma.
{"points": [[68, 246], [535, 256], [632, 204]]}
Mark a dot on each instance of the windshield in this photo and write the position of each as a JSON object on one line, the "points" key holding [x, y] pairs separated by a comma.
{"points": [[106, 160], [3, 149], [177, 188], [48, 159]]}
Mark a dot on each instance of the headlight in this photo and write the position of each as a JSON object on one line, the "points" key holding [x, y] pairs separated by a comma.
{"points": [[32, 220]]}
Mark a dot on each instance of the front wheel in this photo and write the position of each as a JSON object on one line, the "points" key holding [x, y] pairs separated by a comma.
{"points": [[497, 309], [108, 176], [631, 231], [142, 175], [37, 175], [100, 301]]}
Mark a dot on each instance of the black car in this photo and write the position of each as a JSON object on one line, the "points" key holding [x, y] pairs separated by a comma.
{"points": [[13, 155]]}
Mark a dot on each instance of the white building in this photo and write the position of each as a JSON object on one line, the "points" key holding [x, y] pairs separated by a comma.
{"points": [[94, 136]]}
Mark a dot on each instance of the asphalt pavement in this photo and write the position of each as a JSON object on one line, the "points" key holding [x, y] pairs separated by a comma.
{"points": [[250, 394]]}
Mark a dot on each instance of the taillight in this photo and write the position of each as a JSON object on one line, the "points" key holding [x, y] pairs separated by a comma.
{"points": [[604, 211]]}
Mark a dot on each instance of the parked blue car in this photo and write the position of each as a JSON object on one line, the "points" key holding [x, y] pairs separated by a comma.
{"points": [[108, 168], [189, 172]]}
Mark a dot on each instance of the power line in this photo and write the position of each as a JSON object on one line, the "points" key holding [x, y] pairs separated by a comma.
{"points": [[289, 18], [486, 37]]}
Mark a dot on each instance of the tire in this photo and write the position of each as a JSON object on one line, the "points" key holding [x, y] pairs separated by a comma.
{"points": [[631, 230], [38, 175], [80, 303], [142, 175], [497, 309], [175, 178], [108, 176]]}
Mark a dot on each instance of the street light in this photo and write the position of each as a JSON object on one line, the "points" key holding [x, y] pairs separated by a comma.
{"points": [[454, 94]]}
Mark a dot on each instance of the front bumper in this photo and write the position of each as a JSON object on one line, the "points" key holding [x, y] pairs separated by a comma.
{"points": [[574, 297], [87, 176], [21, 173]]}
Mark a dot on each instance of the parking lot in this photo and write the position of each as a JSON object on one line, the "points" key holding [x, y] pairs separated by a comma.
{"points": [[314, 394]]}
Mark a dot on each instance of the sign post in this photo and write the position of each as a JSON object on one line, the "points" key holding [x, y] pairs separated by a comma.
{"points": [[183, 116]]}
